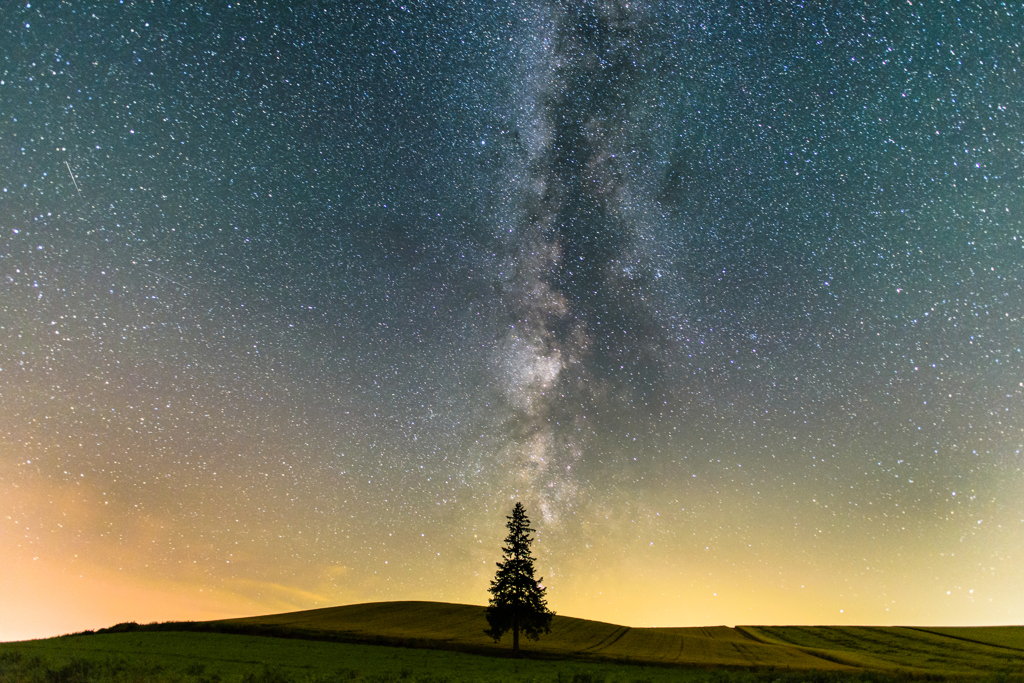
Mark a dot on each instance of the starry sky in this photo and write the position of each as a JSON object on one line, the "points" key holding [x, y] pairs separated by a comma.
{"points": [[297, 300]]}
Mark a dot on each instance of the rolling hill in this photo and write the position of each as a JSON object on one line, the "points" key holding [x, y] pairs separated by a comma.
{"points": [[441, 640], [461, 627]]}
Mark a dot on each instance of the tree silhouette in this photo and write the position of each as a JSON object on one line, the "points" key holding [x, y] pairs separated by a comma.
{"points": [[517, 599]]}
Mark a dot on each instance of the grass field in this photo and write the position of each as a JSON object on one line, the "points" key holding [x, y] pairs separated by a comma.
{"points": [[461, 628], [187, 657], [941, 651], [444, 643], [1003, 636], [196, 657], [899, 649]]}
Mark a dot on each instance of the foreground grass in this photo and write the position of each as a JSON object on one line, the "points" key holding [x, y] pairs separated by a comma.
{"points": [[907, 650], [1001, 636], [424, 642], [215, 657], [223, 658], [898, 651], [449, 626]]}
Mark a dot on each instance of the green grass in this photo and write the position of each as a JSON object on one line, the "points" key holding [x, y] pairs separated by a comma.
{"points": [[176, 657], [168, 656], [461, 628], [444, 643], [1001, 636], [903, 650], [951, 651]]}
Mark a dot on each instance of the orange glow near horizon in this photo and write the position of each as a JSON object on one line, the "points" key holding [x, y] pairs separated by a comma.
{"points": [[296, 302], [78, 577]]}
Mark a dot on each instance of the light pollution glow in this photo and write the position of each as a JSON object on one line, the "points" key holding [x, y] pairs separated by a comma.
{"points": [[295, 305]]}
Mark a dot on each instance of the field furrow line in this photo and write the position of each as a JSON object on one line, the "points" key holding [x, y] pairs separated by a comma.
{"points": [[608, 640], [966, 640]]}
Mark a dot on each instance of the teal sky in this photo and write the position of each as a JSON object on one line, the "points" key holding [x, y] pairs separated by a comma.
{"points": [[296, 302]]}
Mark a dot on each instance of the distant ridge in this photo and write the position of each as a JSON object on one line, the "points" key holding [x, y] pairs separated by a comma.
{"points": [[451, 626]]}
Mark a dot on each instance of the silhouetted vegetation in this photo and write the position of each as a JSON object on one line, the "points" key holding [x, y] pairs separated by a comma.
{"points": [[517, 601]]}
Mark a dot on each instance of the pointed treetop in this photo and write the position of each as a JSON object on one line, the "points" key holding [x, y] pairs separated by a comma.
{"points": [[517, 599]]}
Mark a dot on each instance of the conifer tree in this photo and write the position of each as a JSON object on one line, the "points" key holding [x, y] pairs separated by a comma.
{"points": [[517, 601]]}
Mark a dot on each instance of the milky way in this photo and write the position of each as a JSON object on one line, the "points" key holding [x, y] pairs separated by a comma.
{"points": [[578, 284], [296, 302]]}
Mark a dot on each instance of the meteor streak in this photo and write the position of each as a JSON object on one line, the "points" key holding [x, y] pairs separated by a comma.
{"points": [[73, 177]]}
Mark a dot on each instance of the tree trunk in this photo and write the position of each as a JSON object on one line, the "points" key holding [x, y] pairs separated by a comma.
{"points": [[515, 636]]}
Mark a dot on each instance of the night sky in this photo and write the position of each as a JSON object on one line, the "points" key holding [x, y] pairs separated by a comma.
{"points": [[296, 302]]}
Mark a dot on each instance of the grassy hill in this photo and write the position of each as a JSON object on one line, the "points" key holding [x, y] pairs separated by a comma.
{"points": [[461, 627], [443, 643], [897, 650], [184, 657], [905, 650]]}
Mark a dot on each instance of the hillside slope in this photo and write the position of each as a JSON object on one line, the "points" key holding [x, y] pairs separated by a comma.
{"points": [[461, 627]]}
